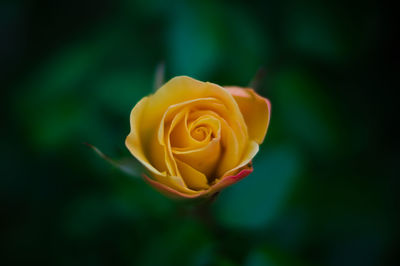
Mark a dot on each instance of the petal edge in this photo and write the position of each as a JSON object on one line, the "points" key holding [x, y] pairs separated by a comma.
{"points": [[255, 110]]}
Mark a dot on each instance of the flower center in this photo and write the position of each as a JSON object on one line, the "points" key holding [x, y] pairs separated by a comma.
{"points": [[201, 133]]}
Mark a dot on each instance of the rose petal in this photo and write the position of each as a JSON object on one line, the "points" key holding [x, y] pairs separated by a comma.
{"points": [[229, 180], [255, 110], [231, 149], [169, 191], [204, 159], [160, 143], [248, 155], [226, 181], [194, 179], [134, 140]]}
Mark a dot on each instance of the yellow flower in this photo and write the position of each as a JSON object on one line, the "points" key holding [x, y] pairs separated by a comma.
{"points": [[195, 138]]}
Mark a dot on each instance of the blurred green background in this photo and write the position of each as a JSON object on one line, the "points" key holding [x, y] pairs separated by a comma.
{"points": [[325, 180]]}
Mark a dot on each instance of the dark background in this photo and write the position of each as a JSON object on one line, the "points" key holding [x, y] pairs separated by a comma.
{"points": [[324, 186]]}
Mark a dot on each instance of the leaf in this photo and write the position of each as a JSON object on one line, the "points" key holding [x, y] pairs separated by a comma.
{"points": [[126, 165]]}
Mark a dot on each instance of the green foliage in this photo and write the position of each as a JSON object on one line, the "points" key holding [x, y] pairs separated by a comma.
{"points": [[324, 181], [269, 185]]}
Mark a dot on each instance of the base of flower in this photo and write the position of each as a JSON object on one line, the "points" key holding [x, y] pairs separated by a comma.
{"points": [[224, 182]]}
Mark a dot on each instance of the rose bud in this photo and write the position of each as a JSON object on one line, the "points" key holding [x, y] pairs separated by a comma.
{"points": [[195, 138]]}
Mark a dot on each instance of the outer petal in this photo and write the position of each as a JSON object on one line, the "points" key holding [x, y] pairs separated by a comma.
{"points": [[255, 110], [173, 193], [135, 139], [247, 157], [229, 180]]}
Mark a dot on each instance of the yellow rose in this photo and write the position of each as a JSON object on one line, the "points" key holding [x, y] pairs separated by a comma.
{"points": [[195, 138]]}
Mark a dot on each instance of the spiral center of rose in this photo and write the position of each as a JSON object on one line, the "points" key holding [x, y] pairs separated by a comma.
{"points": [[194, 137], [201, 133]]}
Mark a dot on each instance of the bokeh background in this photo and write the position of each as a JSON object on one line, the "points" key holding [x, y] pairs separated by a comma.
{"points": [[323, 191]]}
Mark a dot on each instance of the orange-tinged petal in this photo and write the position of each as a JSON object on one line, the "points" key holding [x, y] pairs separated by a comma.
{"points": [[255, 110], [229, 180], [247, 156], [171, 192]]}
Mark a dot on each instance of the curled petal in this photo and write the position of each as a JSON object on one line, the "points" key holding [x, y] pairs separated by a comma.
{"points": [[135, 138], [246, 159], [255, 109]]}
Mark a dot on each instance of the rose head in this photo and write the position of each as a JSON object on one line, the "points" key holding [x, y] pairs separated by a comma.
{"points": [[195, 138]]}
